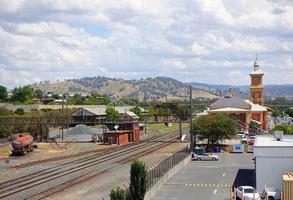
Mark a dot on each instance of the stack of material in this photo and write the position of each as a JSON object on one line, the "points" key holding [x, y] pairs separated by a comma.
{"points": [[288, 186], [78, 133], [82, 133]]}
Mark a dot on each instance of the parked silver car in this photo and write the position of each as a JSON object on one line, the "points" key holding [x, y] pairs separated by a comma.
{"points": [[205, 156], [271, 193]]}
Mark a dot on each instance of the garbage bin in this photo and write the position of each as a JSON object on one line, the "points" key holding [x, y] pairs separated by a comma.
{"points": [[216, 150]]}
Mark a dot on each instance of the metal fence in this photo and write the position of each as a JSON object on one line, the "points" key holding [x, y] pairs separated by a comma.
{"points": [[156, 173]]}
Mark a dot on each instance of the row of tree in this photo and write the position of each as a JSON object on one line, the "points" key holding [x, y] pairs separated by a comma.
{"points": [[20, 95], [34, 129]]}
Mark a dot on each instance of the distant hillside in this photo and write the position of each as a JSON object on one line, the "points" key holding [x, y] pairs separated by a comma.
{"points": [[270, 91], [148, 88]]}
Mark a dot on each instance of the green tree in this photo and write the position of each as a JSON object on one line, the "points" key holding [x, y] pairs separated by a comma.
{"points": [[117, 193], [3, 93], [19, 111], [22, 94], [39, 93], [112, 114], [76, 100], [138, 180], [183, 112], [5, 131], [136, 110], [287, 129], [215, 128], [289, 112], [164, 112], [152, 112]]}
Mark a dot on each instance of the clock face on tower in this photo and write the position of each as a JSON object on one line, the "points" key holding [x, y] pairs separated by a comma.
{"points": [[256, 80]]}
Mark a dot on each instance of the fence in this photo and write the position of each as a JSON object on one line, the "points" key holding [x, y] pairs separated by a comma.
{"points": [[156, 173]]}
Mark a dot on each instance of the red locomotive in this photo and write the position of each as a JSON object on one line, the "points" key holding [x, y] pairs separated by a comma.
{"points": [[22, 144]]}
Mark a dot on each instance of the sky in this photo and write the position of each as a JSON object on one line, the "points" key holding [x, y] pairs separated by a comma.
{"points": [[209, 41]]}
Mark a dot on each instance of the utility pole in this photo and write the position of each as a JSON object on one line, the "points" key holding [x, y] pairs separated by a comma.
{"points": [[62, 118], [191, 128], [145, 118]]}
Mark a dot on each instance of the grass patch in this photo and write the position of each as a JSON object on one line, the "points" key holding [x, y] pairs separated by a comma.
{"points": [[5, 151], [159, 129]]}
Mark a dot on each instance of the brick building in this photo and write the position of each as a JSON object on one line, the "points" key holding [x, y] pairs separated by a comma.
{"points": [[124, 131], [245, 110]]}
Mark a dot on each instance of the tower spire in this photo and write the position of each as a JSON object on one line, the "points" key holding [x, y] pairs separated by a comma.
{"points": [[256, 65]]}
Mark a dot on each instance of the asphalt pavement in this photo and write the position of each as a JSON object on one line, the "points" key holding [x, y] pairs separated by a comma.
{"points": [[210, 180]]}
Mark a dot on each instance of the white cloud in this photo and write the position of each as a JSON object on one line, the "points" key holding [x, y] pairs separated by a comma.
{"points": [[204, 40], [177, 64], [198, 49]]}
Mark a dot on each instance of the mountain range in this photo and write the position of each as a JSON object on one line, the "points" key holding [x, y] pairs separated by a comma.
{"points": [[151, 88], [270, 91]]}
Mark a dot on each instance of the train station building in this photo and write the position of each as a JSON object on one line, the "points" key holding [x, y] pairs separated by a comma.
{"points": [[244, 110]]}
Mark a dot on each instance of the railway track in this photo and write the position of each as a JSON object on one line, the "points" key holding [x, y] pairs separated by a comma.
{"points": [[46, 182], [26, 177]]}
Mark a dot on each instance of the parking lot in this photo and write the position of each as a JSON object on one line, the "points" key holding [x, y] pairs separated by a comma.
{"points": [[212, 180]]}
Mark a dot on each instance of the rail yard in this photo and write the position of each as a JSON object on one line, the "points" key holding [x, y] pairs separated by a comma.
{"points": [[48, 177]]}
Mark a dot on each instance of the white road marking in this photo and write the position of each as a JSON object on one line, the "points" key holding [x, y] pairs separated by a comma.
{"points": [[224, 175], [215, 191]]}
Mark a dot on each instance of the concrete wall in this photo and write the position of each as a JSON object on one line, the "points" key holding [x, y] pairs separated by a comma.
{"points": [[271, 163], [152, 192]]}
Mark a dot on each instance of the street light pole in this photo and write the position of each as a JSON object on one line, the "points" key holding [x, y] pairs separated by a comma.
{"points": [[190, 120]]}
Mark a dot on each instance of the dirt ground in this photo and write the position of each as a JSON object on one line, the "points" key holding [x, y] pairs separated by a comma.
{"points": [[44, 152]]}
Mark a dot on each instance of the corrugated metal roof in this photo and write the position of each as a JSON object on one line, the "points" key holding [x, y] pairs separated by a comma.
{"points": [[229, 109], [101, 110], [232, 102]]}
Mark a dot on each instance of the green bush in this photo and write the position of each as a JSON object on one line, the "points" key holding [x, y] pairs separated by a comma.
{"points": [[287, 129], [117, 193], [138, 180], [19, 111]]}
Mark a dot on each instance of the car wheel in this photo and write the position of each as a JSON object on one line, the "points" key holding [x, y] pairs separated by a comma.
{"points": [[271, 198], [199, 159]]}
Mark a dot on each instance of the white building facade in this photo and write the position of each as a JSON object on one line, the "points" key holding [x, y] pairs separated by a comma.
{"points": [[272, 159]]}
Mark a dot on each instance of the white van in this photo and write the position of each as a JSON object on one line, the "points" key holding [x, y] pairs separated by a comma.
{"points": [[238, 148]]}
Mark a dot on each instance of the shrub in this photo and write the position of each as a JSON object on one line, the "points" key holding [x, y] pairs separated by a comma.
{"points": [[138, 180], [117, 193]]}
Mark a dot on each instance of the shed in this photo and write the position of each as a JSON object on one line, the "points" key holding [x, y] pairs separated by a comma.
{"points": [[271, 153]]}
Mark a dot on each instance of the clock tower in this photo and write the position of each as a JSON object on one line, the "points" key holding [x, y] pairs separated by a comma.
{"points": [[256, 87]]}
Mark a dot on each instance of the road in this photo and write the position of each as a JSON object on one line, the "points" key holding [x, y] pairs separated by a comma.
{"points": [[209, 180]]}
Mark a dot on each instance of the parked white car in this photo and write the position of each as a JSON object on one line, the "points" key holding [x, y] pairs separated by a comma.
{"points": [[205, 156], [247, 193]]}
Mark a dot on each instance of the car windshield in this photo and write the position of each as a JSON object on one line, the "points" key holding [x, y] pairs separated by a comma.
{"points": [[249, 190]]}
